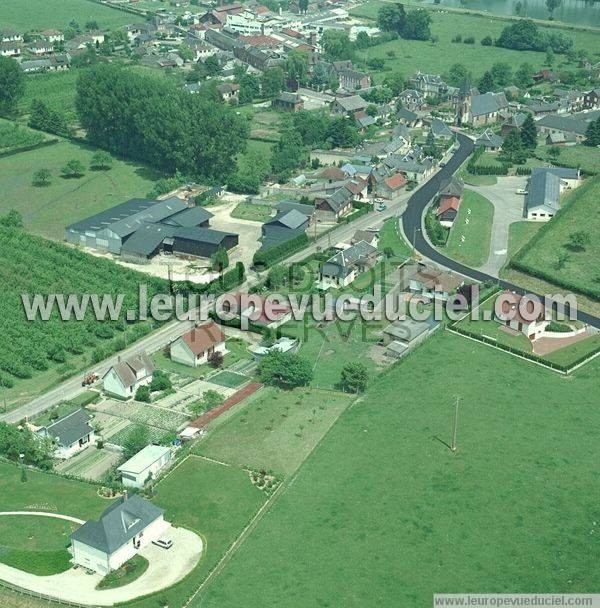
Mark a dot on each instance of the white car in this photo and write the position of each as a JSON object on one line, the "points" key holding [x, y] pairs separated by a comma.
{"points": [[163, 544], [521, 191]]}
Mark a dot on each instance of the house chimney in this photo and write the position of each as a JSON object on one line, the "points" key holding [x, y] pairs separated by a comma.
{"points": [[313, 38]]}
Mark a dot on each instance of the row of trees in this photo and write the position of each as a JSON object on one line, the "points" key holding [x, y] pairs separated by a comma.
{"points": [[525, 35], [520, 143], [141, 117], [592, 133], [498, 76]]}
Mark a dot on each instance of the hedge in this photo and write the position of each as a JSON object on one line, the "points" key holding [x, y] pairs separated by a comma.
{"points": [[488, 169], [279, 252]]}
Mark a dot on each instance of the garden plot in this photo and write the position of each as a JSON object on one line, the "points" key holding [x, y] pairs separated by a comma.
{"points": [[156, 435], [109, 425], [89, 464], [144, 413], [196, 389]]}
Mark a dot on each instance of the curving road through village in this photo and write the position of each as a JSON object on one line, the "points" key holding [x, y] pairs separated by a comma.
{"points": [[412, 224]]}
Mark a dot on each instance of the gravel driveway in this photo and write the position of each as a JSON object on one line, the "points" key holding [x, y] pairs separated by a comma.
{"points": [[167, 566]]}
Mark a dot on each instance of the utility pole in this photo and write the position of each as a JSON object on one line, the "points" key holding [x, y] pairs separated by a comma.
{"points": [[456, 402]]}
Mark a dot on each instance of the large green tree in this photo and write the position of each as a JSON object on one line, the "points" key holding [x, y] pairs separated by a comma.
{"points": [[391, 18], [12, 84], [145, 118], [286, 370], [529, 133], [417, 25]]}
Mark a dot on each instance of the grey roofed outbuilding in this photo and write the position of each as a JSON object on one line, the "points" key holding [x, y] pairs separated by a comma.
{"points": [[193, 216], [118, 524], [543, 191], [407, 330], [407, 115], [289, 219], [147, 239], [352, 103], [126, 218], [145, 458], [70, 428], [489, 139], [307, 210], [569, 124], [203, 235], [440, 129], [516, 120], [451, 187], [488, 103]]}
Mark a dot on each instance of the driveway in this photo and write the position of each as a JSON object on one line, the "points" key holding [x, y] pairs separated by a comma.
{"points": [[508, 208], [249, 232], [167, 566]]}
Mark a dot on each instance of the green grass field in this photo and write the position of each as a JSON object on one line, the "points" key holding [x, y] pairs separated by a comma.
{"points": [[249, 211], [42, 14], [35, 544], [519, 233], [382, 499], [586, 158], [46, 210], [390, 238], [276, 431], [14, 136], [479, 213], [46, 492], [413, 55], [579, 212]]}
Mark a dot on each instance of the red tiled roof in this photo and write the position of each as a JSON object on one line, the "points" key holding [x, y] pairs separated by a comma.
{"points": [[447, 203], [396, 181], [202, 338], [292, 33], [261, 10], [259, 40]]}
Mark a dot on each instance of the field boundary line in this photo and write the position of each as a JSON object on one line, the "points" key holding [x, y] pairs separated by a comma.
{"points": [[280, 491]]}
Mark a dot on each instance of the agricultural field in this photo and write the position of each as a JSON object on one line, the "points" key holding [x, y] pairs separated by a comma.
{"points": [[253, 212], [412, 55], [552, 256], [474, 223], [35, 544], [42, 14], [276, 431], [383, 492], [36, 354], [47, 210], [14, 136], [585, 158]]}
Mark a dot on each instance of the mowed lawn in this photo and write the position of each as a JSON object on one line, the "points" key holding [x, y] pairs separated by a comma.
{"points": [[46, 210], [384, 514], [250, 211], [474, 224], [35, 544], [413, 55], [276, 431], [42, 14], [579, 212], [391, 239], [586, 158]]}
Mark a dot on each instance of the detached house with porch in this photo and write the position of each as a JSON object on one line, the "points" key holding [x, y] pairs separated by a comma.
{"points": [[124, 378], [514, 314], [345, 266], [196, 346]]}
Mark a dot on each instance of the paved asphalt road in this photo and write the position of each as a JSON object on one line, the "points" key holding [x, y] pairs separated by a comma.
{"points": [[412, 226]]}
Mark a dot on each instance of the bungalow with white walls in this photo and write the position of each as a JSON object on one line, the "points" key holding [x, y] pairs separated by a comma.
{"points": [[514, 314], [125, 527], [70, 434], [145, 465], [124, 378], [196, 346]]}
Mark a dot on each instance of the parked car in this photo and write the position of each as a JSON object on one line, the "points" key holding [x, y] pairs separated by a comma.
{"points": [[382, 207], [521, 191], [163, 544]]}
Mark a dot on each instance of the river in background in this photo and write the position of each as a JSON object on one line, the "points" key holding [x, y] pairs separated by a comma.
{"points": [[578, 12]]}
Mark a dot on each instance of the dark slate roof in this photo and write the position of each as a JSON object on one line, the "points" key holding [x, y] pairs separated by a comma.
{"points": [[123, 520], [147, 239], [544, 191], [352, 103], [440, 129], [489, 139], [407, 115], [203, 235], [70, 428], [289, 219], [307, 210], [452, 187], [342, 263], [488, 103], [569, 124], [190, 217]]}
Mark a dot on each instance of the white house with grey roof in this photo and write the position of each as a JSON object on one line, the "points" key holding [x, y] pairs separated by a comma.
{"points": [[341, 269], [70, 434], [145, 465], [544, 190], [124, 378], [128, 525]]}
